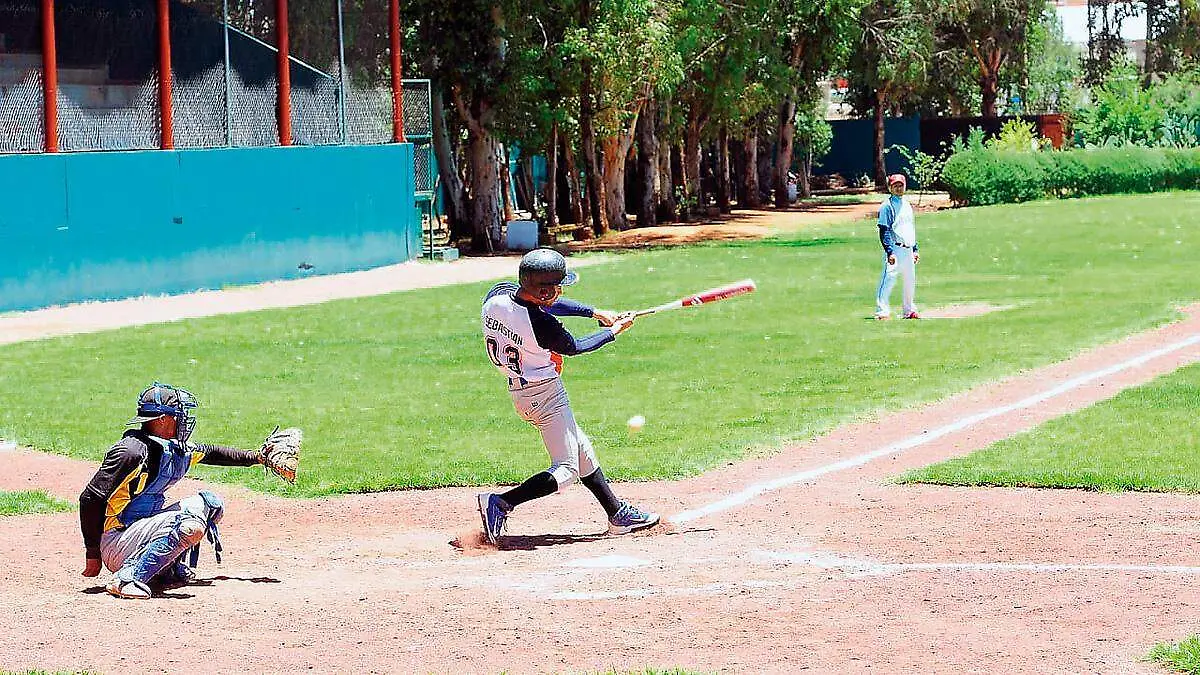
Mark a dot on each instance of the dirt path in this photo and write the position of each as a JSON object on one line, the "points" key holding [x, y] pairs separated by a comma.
{"points": [[746, 225], [97, 316], [808, 559], [90, 317]]}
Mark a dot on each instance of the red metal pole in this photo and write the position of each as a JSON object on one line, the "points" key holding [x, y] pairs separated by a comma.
{"points": [[285, 74], [397, 75], [49, 78], [165, 106]]}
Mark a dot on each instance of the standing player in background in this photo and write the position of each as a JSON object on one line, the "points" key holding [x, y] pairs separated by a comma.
{"points": [[526, 343], [898, 235]]}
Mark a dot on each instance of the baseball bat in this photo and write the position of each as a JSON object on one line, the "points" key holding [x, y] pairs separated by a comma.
{"points": [[703, 297]]}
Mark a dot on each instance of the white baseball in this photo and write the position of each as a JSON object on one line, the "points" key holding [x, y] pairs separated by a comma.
{"points": [[636, 423]]}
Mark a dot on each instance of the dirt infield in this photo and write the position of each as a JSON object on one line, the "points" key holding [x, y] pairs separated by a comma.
{"points": [[829, 567], [808, 559]]}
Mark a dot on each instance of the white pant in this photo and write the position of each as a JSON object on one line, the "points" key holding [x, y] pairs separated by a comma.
{"points": [[545, 405], [117, 545], [887, 281]]}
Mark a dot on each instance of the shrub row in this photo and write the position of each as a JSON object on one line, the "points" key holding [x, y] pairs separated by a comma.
{"points": [[980, 176]]}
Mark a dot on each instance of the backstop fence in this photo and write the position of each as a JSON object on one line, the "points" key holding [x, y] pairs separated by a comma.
{"points": [[82, 75]]}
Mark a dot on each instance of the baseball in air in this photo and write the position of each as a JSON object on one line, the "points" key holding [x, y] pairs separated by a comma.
{"points": [[636, 423]]}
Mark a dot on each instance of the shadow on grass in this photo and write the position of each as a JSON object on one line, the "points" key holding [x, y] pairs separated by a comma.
{"points": [[782, 242]]}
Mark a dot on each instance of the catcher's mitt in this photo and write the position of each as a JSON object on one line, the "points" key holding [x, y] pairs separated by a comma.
{"points": [[281, 453]]}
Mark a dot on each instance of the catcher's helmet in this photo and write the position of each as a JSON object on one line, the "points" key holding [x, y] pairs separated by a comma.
{"points": [[162, 399], [545, 264]]}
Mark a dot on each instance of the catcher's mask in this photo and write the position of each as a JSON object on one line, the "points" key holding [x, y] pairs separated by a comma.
{"points": [[162, 399]]}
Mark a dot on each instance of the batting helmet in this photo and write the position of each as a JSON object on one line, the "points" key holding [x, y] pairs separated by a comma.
{"points": [[545, 265], [162, 399]]}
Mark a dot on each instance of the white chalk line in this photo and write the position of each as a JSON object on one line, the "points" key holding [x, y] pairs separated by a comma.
{"points": [[759, 489], [828, 560], [864, 567]]}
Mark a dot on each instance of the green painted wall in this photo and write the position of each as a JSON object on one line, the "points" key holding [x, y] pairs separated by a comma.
{"points": [[93, 226]]}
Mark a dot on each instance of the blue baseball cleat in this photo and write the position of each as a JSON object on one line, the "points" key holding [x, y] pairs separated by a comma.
{"points": [[494, 514], [629, 518]]}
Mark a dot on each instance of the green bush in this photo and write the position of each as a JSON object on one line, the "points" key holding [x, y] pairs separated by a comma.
{"points": [[994, 176], [1124, 112], [980, 176]]}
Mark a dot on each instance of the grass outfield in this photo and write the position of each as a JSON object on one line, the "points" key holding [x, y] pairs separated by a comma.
{"points": [[1181, 657], [23, 502], [1143, 439], [396, 391]]}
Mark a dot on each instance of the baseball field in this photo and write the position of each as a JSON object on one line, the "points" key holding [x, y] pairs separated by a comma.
{"points": [[841, 494]]}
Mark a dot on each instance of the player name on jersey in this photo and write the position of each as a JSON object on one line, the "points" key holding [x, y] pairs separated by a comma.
{"points": [[497, 326]]}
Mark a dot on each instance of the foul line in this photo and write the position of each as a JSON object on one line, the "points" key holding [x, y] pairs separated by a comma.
{"points": [[758, 489], [873, 567]]}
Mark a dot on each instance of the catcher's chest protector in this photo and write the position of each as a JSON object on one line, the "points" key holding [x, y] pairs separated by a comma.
{"points": [[147, 492]]}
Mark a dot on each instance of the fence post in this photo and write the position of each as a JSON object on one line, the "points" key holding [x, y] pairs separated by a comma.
{"points": [[228, 74], [49, 79], [285, 74], [342, 88], [397, 84], [165, 105]]}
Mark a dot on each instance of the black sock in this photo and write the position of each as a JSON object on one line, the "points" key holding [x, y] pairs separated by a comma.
{"points": [[536, 486], [604, 494]]}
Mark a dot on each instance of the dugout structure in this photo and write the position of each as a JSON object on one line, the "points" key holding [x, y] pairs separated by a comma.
{"points": [[153, 146]]}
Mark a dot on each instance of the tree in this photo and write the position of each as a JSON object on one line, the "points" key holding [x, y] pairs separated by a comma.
{"points": [[813, 38], [468, 42], [892, 58], [992, 34], [1106, 46], [1052, 67], [720, 44]]}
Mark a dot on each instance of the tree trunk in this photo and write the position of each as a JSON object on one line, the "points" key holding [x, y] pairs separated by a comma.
{"points": [[723, 171], [750, 170], [485, 183], [988, 84], [616, 154], [880, 167], [552, 179], [525, 185], [574, 186], [454, 204], [648, 165], [666, 176], [587, 134], [783, 152], [506, 183], [804, 180], [691, 167]]}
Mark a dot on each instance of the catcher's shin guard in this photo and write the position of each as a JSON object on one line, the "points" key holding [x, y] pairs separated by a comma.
{"points": [[214, 511], [157, 554]]}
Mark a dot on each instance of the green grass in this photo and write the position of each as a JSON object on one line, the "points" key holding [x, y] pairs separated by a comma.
{"points": [[1181, 657], [21, 503], [1143, 439], [396, 391]]}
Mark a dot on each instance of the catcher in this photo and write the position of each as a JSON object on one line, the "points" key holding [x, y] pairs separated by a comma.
{"points": [[121, 511]]}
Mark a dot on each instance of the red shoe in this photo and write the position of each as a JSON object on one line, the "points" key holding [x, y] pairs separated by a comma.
{"points": [[912, 315]]}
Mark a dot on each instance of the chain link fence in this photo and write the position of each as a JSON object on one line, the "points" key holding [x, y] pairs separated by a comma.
{"points": [[225, 83], [20, 78]]}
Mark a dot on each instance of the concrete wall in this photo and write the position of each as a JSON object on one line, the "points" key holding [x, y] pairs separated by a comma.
{"points": [[92, 226]]}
